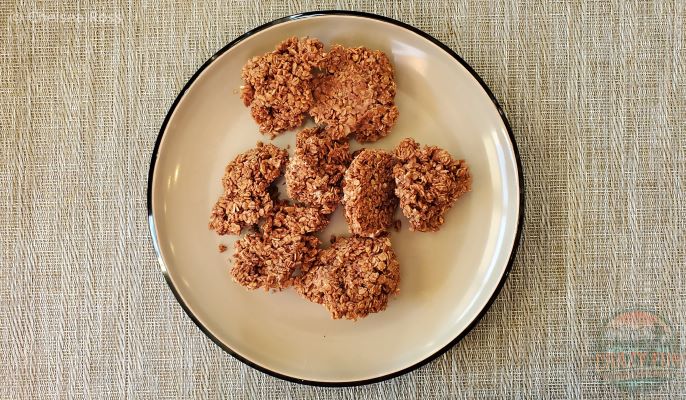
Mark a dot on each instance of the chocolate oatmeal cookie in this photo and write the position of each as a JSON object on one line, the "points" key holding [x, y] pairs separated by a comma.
{"points": [[368, 193], [246, 196], [428, 182], [354, 277], [277, 85], [268, 259], [263, 261], [314, 174], [354, 94], [293, 219]]}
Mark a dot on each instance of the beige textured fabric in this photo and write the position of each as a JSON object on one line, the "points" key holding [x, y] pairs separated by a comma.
{"points": [[596, 95]]}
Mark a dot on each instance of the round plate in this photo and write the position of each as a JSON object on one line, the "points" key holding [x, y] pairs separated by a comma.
{"points": [[448, 278]]}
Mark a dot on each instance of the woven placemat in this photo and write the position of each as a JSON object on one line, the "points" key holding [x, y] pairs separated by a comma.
{"points": [[595, 92]]}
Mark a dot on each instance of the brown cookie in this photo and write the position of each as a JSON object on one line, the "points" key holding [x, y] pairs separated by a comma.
{"points": [[428, 182], [278, 85], [246, 196], [269, 258], [354, 277], [354, 94], [314, 174], [368, 193]]}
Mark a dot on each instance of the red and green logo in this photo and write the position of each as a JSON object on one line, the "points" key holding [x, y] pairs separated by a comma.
{"points": [[637, 349]]}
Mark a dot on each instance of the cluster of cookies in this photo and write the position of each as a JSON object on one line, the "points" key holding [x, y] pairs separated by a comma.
{"points": [[350, 93]]}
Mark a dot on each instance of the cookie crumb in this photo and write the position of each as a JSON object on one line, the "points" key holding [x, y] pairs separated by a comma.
{"points": [[397, 225]]}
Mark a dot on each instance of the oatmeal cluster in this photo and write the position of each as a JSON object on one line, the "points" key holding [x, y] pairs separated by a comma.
{"points": [[354, 94], [313, 175], [348, 91], [350, 94], [277, 85], [368, 193], [247, 196], [354, 277], [428, 182], [268, 259]]}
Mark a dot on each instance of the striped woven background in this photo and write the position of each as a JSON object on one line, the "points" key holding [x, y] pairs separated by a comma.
{"points": [[595, 92]]}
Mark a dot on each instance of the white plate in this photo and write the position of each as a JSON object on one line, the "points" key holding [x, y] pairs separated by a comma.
{"points": [[448, 278]]}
